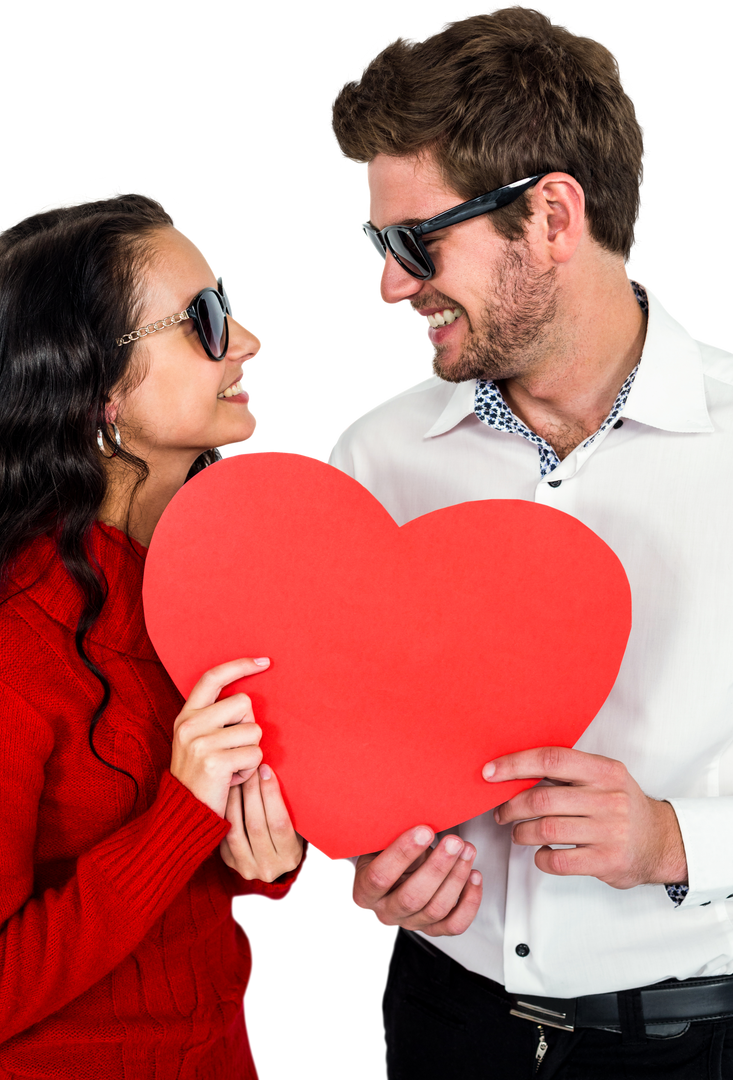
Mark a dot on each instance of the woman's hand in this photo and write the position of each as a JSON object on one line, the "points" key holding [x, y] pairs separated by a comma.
{"points": [[216, 743], [262, 843]]}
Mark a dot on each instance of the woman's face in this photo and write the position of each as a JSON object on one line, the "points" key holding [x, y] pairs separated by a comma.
{"points": [[178, 409]]}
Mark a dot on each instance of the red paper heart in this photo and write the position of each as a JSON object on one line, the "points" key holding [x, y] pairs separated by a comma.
{"points": [[403, 659]]}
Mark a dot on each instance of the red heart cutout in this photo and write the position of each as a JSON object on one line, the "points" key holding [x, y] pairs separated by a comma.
{"points": [[403, 659]]}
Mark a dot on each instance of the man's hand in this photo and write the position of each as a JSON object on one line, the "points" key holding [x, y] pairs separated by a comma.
{"points": [[622, 836], [407, 885]]}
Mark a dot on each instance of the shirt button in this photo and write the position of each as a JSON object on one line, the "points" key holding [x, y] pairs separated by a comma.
{"points": [[554, 483], [522, 950], [618, 424]]}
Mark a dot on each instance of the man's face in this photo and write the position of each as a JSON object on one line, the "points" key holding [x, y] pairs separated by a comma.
{"points": [[505, 303]]}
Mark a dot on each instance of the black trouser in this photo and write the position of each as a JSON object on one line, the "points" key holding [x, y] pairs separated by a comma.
{"points": [[441, 1025]]}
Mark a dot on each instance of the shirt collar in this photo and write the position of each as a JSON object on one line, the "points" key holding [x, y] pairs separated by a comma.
{"points": [[669, 388], [668, 391]]}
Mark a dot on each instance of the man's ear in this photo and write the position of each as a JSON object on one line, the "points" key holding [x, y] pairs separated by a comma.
{"points": [[558, 215]]}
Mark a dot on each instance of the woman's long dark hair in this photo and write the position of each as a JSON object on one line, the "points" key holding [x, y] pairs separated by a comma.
{"points": [[69, 287]]}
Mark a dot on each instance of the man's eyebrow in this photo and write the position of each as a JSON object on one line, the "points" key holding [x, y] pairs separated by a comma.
{"points": [[409, 222]]}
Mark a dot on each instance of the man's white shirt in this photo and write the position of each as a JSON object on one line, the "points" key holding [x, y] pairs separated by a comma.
{"points": [[659, 490]]}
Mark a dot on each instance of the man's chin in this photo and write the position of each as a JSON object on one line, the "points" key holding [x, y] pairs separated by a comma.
{"points": [[462, 369]]}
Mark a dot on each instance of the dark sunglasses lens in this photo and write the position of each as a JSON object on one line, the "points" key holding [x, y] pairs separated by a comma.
{"points": [[403, 246], [227, 305], [213, 323]]}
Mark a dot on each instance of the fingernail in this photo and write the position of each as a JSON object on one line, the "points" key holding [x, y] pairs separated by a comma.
{"points": [[453, 845], [422, 836], [475, 877], [265, 772], [496, 815], [262, 661], [488, 770], [468, 853]]}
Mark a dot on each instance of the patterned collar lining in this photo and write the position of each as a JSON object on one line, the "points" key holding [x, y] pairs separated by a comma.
{"points": [[492, 410]]}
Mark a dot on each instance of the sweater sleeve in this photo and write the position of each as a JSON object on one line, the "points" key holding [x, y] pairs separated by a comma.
{"points": [[54, 946]]}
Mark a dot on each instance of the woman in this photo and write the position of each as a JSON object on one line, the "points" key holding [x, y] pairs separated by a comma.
{"points": [[128, 818]]}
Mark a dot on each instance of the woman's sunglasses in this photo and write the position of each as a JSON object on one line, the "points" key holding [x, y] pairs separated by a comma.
{"points": [[404, 242], [209, 310]]}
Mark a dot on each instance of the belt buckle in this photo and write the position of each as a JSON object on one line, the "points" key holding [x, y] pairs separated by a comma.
{"points": [[555, 1012]]}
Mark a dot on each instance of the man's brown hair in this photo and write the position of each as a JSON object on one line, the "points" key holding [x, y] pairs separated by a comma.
{"points": [[499, 97]]}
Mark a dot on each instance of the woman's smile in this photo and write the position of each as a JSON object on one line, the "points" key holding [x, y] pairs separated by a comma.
{"points": [[235, 393]]}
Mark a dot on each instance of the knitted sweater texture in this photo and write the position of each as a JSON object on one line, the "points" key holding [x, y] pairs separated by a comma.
{"points": [[119, 956]]}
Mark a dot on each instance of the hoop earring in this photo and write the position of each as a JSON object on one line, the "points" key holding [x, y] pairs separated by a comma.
{"points": [[118, 441]]}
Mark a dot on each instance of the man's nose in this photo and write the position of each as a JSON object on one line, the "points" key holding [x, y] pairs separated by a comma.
{"points": [[396, 283]]}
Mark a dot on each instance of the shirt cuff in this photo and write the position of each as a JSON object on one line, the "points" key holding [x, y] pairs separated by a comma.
{"points": [[703, 822]]}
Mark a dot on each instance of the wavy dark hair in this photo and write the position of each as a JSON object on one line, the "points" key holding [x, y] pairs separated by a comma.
{"points": [[498, 97], [70, 285]]}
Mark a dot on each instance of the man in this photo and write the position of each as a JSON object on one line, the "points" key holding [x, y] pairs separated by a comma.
{"points": [[559, 382]]}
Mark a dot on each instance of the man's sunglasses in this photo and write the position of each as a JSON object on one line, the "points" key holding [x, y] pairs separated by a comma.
{"points": [[209, 310], [404, 242]]}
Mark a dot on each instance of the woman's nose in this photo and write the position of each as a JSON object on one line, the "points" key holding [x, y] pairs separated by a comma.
{"points": [[242, 343]]}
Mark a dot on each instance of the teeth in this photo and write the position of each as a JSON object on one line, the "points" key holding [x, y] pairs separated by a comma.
{"points": [[231, 391], [444, 318]]}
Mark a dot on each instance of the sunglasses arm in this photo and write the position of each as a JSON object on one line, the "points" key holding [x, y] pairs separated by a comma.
{"points": [[494, 200]]}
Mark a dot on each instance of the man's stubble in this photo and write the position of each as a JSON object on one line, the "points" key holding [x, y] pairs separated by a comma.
{"points": [[515, 324]]}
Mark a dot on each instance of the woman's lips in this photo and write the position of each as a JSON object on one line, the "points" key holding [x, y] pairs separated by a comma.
{"points": [[235, 392], [238, 399]]}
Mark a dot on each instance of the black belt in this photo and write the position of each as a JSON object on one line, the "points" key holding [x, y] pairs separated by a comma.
{"points": [[666, 1006]]}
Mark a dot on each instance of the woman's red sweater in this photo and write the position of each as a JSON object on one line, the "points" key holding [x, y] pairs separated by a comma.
{"points": [[119, 956]]}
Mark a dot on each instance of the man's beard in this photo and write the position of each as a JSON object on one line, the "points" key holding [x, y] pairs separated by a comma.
{"points": [[513, 327]]}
